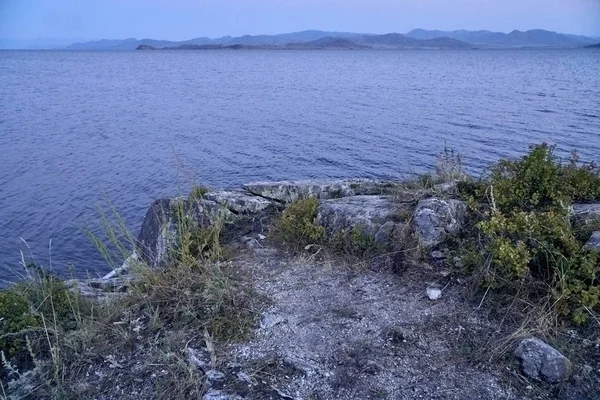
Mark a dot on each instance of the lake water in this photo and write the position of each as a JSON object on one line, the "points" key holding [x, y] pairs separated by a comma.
{"points": [[80, 130]]}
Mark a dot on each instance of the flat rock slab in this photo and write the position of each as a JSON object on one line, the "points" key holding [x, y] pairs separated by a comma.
{"points": [[239, 202], [368, 212], [291, 191]]}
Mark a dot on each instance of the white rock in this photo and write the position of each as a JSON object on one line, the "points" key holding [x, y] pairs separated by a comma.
{"points": [[434, 293]]}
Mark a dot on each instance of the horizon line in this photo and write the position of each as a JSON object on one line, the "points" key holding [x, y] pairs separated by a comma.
{"points": [[79, 40]]}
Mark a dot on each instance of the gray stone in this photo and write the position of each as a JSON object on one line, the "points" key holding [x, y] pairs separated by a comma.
{"points": [[438, 255], [435, 219], [385, 233], [308, 368], [214, 375], [239, 202], [541, 361], [264, 252], [159, 235], [370, 213], [594, 242], [270, 320], [214, 394], [291, 191], [244, 377], [198, 359], [585, 214]]}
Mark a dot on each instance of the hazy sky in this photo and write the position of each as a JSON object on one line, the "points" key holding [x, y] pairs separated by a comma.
{"points": [[184, 19]]}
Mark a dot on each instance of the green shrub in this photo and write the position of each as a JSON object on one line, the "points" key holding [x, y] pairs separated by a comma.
{"points": [[15, 317], [524, 230], [540, 180], [353, 242], [296, 228]]}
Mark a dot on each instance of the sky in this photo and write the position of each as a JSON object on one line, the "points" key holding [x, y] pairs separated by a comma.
{"points": [[186, 19]]}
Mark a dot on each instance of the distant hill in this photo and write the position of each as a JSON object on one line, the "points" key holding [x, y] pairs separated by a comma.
{"points": [[396, 40], [418, 38], [258, 40], [531, 38], [387, 41], [593, 46]]}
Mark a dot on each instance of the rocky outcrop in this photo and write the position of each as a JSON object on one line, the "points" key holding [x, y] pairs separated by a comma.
{"points": [[435, 219], [541, 361], [291, 191], [375, 207]]}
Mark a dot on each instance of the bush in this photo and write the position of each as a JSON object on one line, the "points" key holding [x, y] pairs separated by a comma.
{"points": [[296, 228], [540, 180], [16, 318], [353, 242], [524, 231]]}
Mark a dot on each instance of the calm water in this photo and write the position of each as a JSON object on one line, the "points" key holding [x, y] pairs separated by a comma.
{"points": [[79, 130]]}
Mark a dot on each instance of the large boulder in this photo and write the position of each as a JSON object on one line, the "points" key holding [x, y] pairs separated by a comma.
{"points": [[540, 361], [586, 215], [368, 212], [159, 233], [375, 216], [242, 214], [291, 191], [435, 219]]}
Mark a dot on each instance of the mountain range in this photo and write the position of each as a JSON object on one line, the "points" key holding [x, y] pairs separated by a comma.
{"points": [[417, 38]]}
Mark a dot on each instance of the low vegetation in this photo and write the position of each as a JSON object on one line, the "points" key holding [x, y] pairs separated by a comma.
{"points": [[520, 246], [523, 241], [296, 227], [51, 336]]}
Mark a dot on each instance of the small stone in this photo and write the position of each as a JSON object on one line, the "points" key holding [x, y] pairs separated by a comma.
{"points": [[214, 375], [261, 236], [244, 377], [213, 394], [308, 368], [540, 361], [438, 255], [270, 320], [371, 368], [264, 252], [197, 359], [434, 293]]}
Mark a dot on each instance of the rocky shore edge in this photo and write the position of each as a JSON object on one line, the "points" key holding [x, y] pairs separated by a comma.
{"points": [[329, 332]]}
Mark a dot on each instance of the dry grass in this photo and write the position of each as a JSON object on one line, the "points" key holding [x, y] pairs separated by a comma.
{"points": [[146, 329]]}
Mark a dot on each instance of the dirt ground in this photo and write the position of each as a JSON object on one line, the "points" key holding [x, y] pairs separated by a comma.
{"points": [[331, 330], [340, 332]]}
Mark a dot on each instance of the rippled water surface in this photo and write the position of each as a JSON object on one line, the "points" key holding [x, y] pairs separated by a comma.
{"points": [[79, 130]]}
